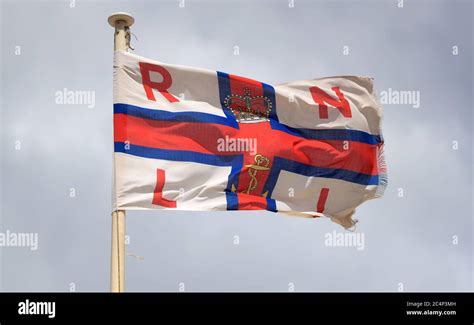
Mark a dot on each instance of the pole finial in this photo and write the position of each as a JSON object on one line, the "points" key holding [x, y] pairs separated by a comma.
{"points": [[121, 16]]}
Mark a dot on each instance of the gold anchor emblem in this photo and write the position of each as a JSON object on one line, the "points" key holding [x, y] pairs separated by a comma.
{"points": [[261, 163]]}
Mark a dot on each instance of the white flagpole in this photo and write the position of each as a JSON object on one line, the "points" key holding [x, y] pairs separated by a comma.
{"points": [[121, 21]]}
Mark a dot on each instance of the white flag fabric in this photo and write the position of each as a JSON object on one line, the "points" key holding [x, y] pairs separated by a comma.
{"points": [[194, 139]]}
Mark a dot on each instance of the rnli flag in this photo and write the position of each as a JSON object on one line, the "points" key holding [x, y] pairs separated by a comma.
{"points": [[193, 139]]}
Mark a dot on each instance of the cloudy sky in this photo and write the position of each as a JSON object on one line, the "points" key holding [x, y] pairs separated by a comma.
{"points": [[56, 159]]}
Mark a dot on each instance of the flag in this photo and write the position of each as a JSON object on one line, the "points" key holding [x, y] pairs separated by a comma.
{"points": [[193, 139]]}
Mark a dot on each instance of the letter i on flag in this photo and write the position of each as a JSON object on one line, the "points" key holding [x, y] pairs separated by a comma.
{"points": [[200, 140]]}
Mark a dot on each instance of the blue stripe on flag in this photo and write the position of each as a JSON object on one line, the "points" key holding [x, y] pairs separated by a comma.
{"points": [[280, 164], [161, 115], [232, 200], [271, 205], [224, 91], [197, 117], [269, 92], [328, 134]]}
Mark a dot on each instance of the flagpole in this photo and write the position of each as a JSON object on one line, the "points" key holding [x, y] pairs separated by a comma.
{"points": [[121, 21]]}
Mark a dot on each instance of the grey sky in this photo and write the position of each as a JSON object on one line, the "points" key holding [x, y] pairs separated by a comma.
{"points": [[408, 240]]}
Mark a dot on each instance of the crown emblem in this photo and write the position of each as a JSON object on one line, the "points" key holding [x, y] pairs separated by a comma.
{"points": [[247, 108]]}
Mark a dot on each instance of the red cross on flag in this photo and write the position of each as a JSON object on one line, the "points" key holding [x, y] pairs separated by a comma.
{"points": [[194, 139]]}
